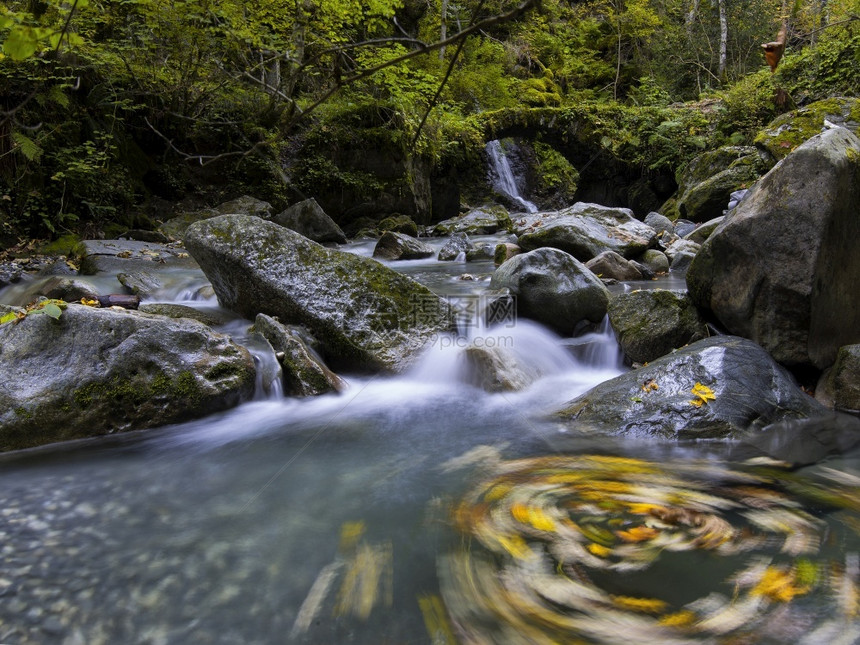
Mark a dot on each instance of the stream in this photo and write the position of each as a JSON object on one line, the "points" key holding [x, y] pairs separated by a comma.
{"points": [[418, 509]]}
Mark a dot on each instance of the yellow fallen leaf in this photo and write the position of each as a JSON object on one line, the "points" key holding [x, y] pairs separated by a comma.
{"points": [[533, 517], [515, 545], [703, 394], [644, 605], [683, 618], [89, 303], [638, 534], [778, 585], [599, 550], [649, 385]]}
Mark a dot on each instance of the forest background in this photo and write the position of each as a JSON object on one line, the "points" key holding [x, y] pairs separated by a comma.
{"points": [[110, 111]]}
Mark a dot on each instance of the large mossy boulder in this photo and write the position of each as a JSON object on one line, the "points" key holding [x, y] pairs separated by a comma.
{"points": [[650, 323], [706, 184], [783, 269], [365, 315], [309, 219], [478, 221], [99, 371], [788, 131], [587, 230], [740, 388], [554, 288]]}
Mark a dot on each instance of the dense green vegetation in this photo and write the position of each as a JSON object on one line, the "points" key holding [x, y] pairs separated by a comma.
{"points": [[106, 106]]}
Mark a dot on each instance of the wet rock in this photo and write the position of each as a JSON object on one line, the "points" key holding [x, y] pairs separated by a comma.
{"points": [[304, 372], [98, 256], [10, 273], [611, 265], [459, 243], [479, 221], [496, 369], [681, 253], [480, 252], [554, 288], [505, 252], [141, 284], [703, 231], [655, 260], [309, 219], [98, 371], [246, 205], [398, 246], [587, 230], [170, 310], [398, 224], [782, 269], [650, 323], [839, 386], [366, 315], [750, 390], [684, 227], [659, 222]]}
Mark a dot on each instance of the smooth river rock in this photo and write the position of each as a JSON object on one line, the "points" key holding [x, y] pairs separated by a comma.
{"points": [[750, 391], [365, 315], [554, 288], [98, 371], [587, 230], [783, 268], [309, 219]]}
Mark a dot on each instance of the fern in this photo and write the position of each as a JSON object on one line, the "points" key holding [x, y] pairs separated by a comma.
{"points": [[29, 148]]}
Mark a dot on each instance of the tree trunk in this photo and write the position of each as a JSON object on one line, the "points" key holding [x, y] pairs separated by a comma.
{"points": [[724, 37], [690, 18], [443, 29]]}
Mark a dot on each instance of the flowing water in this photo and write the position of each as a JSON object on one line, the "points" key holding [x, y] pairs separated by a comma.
{"points": [[418, 509], [502, 176]]}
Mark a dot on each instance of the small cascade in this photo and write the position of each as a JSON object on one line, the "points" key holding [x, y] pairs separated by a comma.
{"points": [[599, 349], [502, 176]]}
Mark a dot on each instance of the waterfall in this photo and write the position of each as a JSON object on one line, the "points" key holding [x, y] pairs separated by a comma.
{"points": [[503, 178]]}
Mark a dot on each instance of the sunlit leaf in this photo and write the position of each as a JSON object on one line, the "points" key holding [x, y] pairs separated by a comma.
{"points": [[638, 534], [644, 605], [778, 585], [599, 550]]}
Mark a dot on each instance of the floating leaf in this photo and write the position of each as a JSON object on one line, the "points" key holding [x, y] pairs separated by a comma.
{"points": [[599, 550], [638, 534], [778, 585], [644, 605], [683, 618]]}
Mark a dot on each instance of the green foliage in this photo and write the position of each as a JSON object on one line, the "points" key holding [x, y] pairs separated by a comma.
{"points": [[747, 105], [51, 308], [831, 68], [555, 174]]}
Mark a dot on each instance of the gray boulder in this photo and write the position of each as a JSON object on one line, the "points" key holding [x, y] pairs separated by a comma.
{"points": [[554, 288], [304, 372], [480, 252], [309, 219], [650, 323], [659, 222], [496, 369], [365, 315], [586, 230], [684, 227], [246, 205], [611, 265], [98, 371], [750, 391], [681, 253], [783, 268], [129, 256], [703, 231], [210, 318], [479, 221], [839, 386], [459, 243], [141, 283], [504, 252], [54, 287], [655, 260], [399, 246]]}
